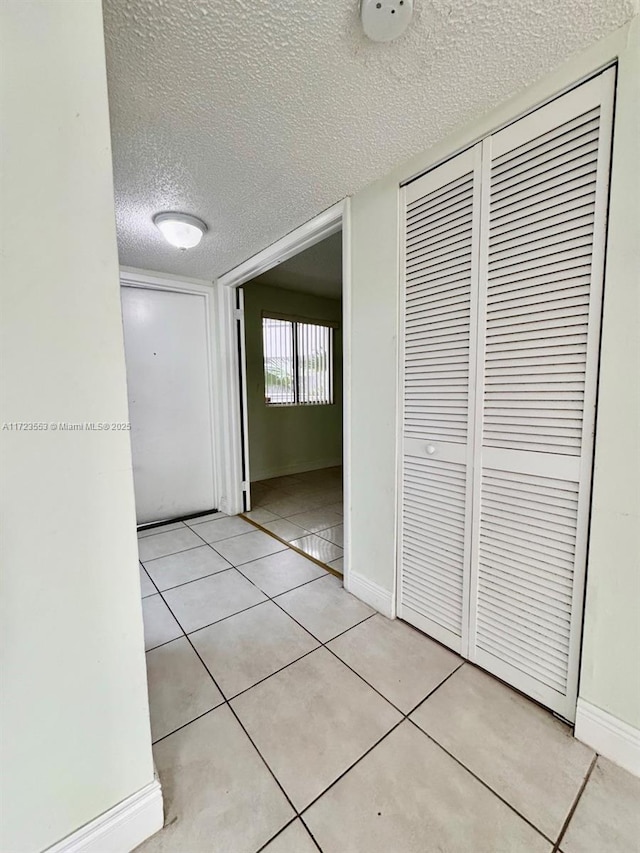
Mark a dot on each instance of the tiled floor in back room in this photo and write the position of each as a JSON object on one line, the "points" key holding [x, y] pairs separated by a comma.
{"points": [[305, 510], [288, 717]]}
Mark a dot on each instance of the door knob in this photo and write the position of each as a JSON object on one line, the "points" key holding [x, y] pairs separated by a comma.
{"points": [[431, 448]]}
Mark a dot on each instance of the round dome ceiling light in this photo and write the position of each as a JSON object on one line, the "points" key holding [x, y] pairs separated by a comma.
{"points": [[180, 229], [385, 20]]}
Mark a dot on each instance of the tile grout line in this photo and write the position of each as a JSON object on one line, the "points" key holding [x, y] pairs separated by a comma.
{"points": [[351, 766], [184, 725], [312, 836], [279, 833], [321, 645], [297, 550], [437, 687], [231, 615], [479, 779], [221, 571], [574, 805], [237, 718], [405, 717], [225, 700], [193, 580]]}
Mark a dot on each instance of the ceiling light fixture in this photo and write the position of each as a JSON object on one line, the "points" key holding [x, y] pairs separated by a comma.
{"points": [[180, 229], [385, 20]]}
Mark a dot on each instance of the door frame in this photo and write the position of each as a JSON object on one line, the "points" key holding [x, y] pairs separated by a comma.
{"points": [[156, 281], [230, 454]]}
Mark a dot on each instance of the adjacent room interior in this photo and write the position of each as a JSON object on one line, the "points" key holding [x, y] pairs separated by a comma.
{"points": [[293, 337]]}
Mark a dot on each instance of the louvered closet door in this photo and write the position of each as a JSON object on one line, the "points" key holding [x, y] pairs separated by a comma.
{"points": [[441, 231], [545, 182]]}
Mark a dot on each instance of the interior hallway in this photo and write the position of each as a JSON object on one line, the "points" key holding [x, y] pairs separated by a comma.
{"points": [[306, 510], [288, 717]]}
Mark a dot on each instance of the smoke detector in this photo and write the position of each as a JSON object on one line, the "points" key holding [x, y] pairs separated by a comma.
{"points": [[385, 20]]}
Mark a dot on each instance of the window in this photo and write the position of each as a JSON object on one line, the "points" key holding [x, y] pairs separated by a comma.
{"points": [[298, 362]]}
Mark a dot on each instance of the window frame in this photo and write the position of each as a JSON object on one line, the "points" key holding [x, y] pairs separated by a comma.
{"points": [[295, 321]]}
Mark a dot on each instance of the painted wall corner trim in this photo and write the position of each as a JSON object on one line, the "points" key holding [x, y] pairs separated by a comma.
{"points": [[376, 596], [120, 829], [609, 736]]}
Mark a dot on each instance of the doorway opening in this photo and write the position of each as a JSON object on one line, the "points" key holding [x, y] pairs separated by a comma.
{"points": [[291, 347]]}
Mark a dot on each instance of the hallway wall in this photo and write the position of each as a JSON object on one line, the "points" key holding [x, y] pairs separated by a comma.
{"points": [[75, 721], [288, 439]]}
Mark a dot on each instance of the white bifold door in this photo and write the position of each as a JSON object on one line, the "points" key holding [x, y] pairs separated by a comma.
{"points": [[503, 270]]}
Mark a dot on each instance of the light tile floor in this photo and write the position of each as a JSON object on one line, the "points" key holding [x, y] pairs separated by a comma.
{"points": [[289, 717], [306, 510]]}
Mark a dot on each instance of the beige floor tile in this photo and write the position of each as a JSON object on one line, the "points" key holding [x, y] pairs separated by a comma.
{"points": [[223, 528], [397, 660], [250, 546], [326, 610], [282, 482], [287, 505], [408, 796], [180, 688], [282, 571], [185, 566], [159, 623], [146, 587], [210, 599], [164, 528], [608, 813], [218, 795], [311, 721], [250, 646], [317, 547], [316, 520], [519, 749], [259, 499], [285, 529], [334, 534], [161, 544], [260, 516], [337, 507], [293, 839]]}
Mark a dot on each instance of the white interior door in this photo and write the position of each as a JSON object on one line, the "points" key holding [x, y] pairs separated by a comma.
{"points": [[441, 233], [545, 187], [169, 388]]}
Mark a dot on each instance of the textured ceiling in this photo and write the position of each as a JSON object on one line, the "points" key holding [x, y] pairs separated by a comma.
{"points": [[257, 114], [317, 270]]}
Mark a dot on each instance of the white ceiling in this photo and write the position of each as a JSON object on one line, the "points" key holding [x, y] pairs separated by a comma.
{"points": [[317, 270], [257, 114]]}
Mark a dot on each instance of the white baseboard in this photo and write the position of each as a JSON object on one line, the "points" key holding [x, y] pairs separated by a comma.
{"points": [[122, 828], [371, 593], [295, 468], [609, 736]]}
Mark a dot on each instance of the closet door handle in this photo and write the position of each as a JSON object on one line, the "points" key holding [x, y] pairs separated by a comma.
{"points": [[431, 449]]}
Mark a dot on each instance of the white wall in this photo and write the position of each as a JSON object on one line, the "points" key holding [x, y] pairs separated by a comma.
{"points": [[612, 628], [75, 726]]}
